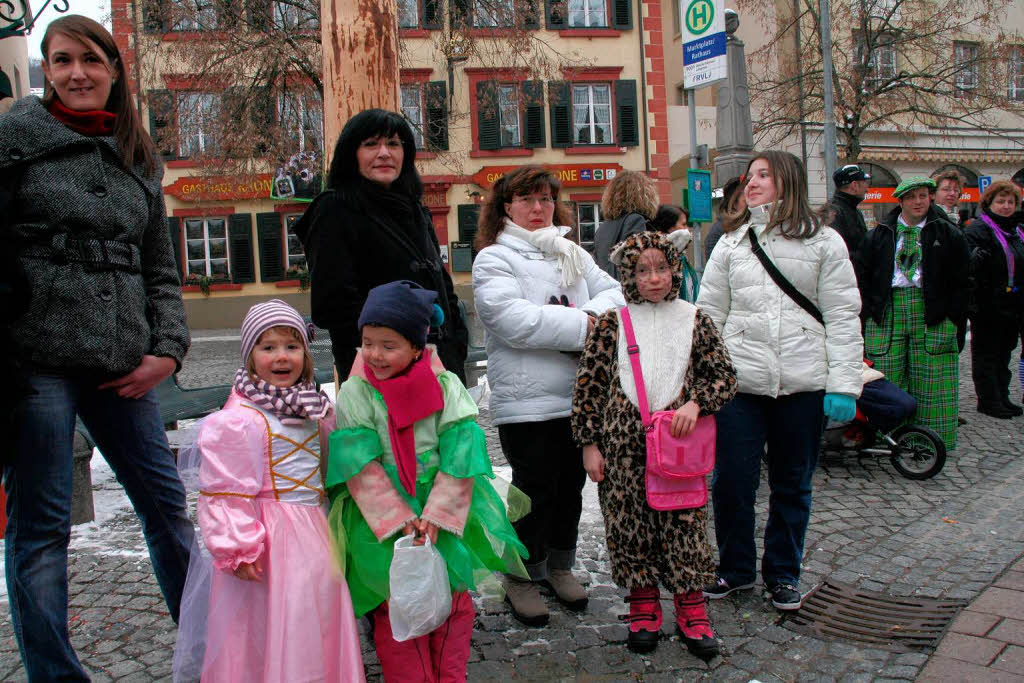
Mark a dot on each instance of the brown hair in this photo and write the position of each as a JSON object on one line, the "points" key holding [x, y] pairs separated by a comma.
{"points": [[949, 175], [630, 192], [517, 183], [997, 188], [791, 211], [133, 141], [307, 359]]}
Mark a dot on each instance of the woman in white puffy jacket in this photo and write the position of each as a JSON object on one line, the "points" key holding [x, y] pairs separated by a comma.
{"points": [[792, 369], [538, 295]]}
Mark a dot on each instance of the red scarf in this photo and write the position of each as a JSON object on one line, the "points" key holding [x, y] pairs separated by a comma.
{"points": [[98, 122], [409, 397]]}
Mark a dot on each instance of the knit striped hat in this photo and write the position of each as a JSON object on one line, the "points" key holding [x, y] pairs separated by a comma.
{"points": [[262, 317]]}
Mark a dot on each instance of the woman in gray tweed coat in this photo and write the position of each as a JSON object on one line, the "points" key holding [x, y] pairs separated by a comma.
{"points": [[104, 325]]}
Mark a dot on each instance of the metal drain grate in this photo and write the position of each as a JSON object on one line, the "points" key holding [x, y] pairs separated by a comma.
{"points": [[837, 610]]}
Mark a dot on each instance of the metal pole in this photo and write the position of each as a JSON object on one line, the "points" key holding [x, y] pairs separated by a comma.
{"points": [[691, 102], [830, 117]]}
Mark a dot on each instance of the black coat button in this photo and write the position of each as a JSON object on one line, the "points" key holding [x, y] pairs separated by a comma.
{"points": [[106, 295], [99, 191], [15, 154]]}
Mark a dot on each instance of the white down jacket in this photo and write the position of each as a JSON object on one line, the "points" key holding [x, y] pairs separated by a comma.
{"points": [[532, 345], [776, 346]]}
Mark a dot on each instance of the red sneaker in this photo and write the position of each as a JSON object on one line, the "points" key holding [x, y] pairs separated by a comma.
{"points": [[694, 625], [644, 619]]}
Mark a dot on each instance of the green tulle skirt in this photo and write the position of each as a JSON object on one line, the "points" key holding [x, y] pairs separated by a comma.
{"points": [[488, 543]]}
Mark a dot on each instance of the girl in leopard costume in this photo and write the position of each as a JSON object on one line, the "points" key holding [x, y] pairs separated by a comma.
{"points": [[650, 547]]}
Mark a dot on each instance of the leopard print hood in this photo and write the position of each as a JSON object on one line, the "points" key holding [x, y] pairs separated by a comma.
{"points": [[626, 254]]}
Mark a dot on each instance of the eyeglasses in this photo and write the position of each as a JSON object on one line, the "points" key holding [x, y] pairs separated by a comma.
{"points": [[530, 201], [645, 273]]}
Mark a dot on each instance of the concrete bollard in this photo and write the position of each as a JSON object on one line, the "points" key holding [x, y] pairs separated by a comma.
{"points": [[81, 489]]}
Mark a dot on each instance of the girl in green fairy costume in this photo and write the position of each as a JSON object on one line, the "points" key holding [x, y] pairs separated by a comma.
{"points": [[409, 458]]}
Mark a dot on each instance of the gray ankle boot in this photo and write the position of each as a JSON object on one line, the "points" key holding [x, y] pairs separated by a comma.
{"points": [[525, 601], [567, 589]]}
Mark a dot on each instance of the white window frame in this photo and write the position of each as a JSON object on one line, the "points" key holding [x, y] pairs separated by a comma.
{"points": [[302, 118], [596, 206], [194, 15], [509, 116], [408, 9], [881, 65], [416, 115], [591, 114], [289, 224], [198, 118], [1015, 80], [294, 15], [965, 59], [493, 13], [207, 259], [595, 13]]}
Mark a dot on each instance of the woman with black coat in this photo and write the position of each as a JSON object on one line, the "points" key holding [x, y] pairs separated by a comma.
{"points": [[996, 242], [370, 227], [104, 325]]}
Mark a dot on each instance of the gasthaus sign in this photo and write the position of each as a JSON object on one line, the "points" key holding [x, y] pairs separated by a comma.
{"points": [[704, 60]]}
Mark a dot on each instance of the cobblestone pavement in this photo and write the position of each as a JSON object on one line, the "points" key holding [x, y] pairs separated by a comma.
{"points": [[947, 537]]}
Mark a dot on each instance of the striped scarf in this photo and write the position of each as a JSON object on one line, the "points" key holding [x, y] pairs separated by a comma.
{"points": [[292, 405]]}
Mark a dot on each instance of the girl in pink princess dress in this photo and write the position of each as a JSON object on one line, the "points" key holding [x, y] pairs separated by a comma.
{"points": [[278, 608]]}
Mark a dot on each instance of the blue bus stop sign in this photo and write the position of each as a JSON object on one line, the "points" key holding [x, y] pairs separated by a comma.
{"points": [[698, 195]]}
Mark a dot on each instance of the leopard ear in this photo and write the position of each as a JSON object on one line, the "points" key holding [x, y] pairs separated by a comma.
{"points": [[616, 255]]}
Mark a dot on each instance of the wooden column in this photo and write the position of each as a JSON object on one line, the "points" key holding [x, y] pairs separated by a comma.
{"points": [[360, 48]]}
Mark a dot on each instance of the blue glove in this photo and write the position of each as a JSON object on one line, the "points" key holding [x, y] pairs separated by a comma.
{"points": [[840, 407]]}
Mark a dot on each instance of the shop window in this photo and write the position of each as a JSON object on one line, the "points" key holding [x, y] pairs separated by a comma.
{"points": [[408, 14], [965, 59], [206, 247], [198, 121], [296, 15], [412, 109], [302, 121], [592, 114], [296, 256], [588, 13], [1015, 79], [588, 217]]}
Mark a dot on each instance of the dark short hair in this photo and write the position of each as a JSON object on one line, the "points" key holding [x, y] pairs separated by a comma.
{"points": [[666, 218], [367, 124]]}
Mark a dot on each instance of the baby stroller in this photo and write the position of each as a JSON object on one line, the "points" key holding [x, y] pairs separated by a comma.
{"points": [[878, 430]]}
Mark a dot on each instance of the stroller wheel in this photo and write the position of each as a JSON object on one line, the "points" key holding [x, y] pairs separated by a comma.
{"points": [[919, 452]]}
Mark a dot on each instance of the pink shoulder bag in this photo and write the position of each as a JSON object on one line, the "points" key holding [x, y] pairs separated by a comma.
{"points": [[676, 466]]}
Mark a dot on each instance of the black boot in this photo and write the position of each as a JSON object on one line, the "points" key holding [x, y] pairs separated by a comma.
{"points": [[995, 410], [1012, 407]]}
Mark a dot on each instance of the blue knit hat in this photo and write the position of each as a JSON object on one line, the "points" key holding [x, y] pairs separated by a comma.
{"points": [[403, 306]]}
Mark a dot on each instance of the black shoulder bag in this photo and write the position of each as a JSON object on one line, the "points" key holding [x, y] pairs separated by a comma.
{"points": [[780, 279]]}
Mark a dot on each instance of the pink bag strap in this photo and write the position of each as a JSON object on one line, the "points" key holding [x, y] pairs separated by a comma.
{"points": [[634, 359]]}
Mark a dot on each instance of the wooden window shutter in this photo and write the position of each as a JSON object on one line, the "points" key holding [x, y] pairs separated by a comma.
{"points": [[174, 228], [556, 14], [469, 214], [622, 15], [153, 17], [626, 107], [460, 11], [161, 122], [430, 15], [269, 228], [487, 115], [243, 269], [437, 115], [530, 14], [561, 113], [533, 114]]}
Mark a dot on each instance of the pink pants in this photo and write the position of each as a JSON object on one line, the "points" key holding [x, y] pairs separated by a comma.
{"points": [[438, 657]]}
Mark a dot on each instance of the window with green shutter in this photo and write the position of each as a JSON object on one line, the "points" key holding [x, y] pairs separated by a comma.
{"points": [[243, 269], [510, 115], [271, 246]]}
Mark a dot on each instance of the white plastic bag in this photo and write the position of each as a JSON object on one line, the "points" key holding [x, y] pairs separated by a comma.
{"points": [[421, 598]]}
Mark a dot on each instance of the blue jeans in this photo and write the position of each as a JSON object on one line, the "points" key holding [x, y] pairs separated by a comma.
{"points": [[791, 426], [37, 482]]}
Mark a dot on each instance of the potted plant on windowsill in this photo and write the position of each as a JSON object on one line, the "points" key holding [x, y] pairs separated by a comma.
{"points": [[203, 282], [300, 273]]}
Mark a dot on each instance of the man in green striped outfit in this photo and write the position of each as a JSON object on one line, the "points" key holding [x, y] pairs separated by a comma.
{"points": [[914, 286]]}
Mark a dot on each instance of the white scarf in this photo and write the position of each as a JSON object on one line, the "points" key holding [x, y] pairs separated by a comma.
{"points": [[550, 241]]}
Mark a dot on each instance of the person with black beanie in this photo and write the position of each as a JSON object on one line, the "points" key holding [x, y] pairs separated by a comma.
{"points": [[370, 227]]}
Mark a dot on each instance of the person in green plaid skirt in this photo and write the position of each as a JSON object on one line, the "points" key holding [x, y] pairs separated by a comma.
{"points": [[914, 291]]}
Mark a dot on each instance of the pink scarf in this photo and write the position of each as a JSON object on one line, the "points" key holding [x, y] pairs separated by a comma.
{"points": [[409, 397]]}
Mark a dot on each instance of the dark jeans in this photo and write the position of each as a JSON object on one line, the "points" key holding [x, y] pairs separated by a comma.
{"points": [[992, 342], [38, 485], [885, 404], [548, 467], [791, 426]]}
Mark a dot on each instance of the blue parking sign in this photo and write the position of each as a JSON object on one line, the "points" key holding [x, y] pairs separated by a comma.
{"points": [[983, 182]]}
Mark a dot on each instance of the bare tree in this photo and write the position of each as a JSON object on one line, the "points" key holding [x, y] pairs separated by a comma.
{"points": [[902, 65]]}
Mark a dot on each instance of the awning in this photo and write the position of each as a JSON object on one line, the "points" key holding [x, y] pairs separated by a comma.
{"points": [[942, 156]]}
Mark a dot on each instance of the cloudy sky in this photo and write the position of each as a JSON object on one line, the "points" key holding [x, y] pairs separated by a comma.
{"points": [[96, 9]]}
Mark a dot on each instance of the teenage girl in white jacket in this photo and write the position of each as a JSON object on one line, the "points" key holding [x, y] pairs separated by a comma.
{"points": [[538, 295], [792, 371]]}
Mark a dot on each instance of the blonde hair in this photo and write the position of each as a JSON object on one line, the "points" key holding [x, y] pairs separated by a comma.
{"points": [[307, 358], [630, 192]]}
